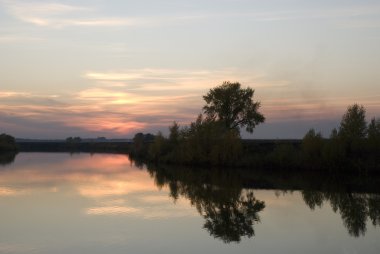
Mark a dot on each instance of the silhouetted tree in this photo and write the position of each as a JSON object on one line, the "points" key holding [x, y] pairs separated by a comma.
{"points": [[174, 133], [334, 134], [7, 143], [158, 148], [233, 106], [312, 144], [374, 130], [333, 151], [353, 125], [210, 142], [140, 145]]}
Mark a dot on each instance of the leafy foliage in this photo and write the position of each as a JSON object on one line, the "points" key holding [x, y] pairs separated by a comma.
{"points": [[233, 106], [353, 125], [312, 144], [7, 143], [374, 130], [203, 142]]}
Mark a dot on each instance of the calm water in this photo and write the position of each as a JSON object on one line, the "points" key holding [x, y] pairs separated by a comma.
{"points": [[102, 203]]}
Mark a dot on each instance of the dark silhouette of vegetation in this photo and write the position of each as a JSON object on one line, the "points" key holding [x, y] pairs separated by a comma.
{"points": [[353, 125], [233, 106], [214, 139], [8, 149], [83, 146], [205, 141], [73, 140], [7, 143], [312, 144], [374, 130], [140, 144]]}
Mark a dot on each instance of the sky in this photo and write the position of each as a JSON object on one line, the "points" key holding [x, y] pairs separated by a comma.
{"points": [[114, 68]]}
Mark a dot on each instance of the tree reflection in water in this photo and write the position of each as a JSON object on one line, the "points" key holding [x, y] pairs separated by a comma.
{"points": [[226, 201], [229, 211], [232, 220], [354, 208], [7, 158]]}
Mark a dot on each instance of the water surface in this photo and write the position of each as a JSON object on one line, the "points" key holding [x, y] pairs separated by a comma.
{"points": [[104, 203]]}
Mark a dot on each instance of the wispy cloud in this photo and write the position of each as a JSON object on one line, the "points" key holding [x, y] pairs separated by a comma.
{"points": [[61, 15], [160, 209], [329, 107], [111, 210], [305, 14], [57, 15], [18, 38], [121, 103], [143, 99], [360, 24], [6, 191], [9, 94], [176, 79], [17, 248]]}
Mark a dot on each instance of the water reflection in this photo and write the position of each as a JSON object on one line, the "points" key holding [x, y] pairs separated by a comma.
{"points": [[230, 208], [7, 158], [229, 211], [354, 208], [111, 186], [110, 183]]}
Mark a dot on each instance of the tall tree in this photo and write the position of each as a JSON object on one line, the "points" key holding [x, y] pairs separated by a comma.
{"points": [[353, 125], [233, 106]]}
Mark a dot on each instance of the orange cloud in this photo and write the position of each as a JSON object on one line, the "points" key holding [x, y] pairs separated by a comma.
{"points": [[125, 102], [109, 210], [5, 191]]}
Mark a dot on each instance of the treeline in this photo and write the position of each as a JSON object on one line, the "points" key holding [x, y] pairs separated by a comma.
{"points": [[203, 142], [214, 139], [353, 146], [73, 147]]}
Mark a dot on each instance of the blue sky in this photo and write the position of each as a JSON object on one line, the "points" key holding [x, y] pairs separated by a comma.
{"points": [[113, 68]]}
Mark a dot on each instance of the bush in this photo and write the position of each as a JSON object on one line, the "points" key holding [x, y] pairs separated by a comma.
{"points": [[7, 143]]}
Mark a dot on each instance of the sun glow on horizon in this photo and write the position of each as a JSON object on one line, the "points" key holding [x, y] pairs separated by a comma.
{"points": [[114, 68]]}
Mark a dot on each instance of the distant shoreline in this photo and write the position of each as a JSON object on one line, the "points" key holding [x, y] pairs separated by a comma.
{"points": [[114, 145], [62, 146]]}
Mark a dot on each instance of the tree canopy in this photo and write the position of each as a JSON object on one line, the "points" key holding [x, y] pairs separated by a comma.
{"points": [[233, 106], [374, 129], [353, 124], [7, 143]]}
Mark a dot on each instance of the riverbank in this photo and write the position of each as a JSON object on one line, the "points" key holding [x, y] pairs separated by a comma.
{"points": [[269, 154], [59, 146]]}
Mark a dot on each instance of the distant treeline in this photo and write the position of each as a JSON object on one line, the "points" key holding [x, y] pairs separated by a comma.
{"points": [[214, 139], [74, 145]]}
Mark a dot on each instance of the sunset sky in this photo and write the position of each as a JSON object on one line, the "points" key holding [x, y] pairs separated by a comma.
{"points": [[116, 67]]}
